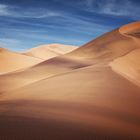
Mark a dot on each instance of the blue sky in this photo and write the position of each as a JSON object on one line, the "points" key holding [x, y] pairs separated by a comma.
{"points": [[28, 23]]}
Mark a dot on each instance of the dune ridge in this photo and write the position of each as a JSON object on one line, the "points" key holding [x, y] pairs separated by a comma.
{"points": [[46, 52]]}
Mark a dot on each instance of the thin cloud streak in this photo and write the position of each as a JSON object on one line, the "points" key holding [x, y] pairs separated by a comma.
{"points": [[4, 10], [114, 7], [17, 12]]}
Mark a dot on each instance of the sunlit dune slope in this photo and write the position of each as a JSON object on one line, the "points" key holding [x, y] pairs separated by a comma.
{"points": [[129, 66], [11, 61], [49, 51], [107, 47]]}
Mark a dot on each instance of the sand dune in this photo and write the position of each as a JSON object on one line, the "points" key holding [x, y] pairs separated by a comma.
{"points": [[49, 51], [11, 61], [129, 65], [130, 28], [102, 50], [40, 71], [90, 93], [94, 97], [107, 47], [22, 75]]}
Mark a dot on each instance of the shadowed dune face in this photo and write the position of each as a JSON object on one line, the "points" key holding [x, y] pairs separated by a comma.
{"points": [[38, 129], [49, 51], [92, 92]]}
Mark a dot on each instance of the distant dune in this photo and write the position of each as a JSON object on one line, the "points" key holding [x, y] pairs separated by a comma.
{"points": [[49, 51], [12, 61], [92, 92]]}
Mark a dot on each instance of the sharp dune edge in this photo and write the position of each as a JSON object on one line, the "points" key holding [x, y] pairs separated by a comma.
{"points": [[92, 92]]}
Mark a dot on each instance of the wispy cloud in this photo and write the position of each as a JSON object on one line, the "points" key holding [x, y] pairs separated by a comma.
{"points": [[114, 7], [18, 12], [123, 8], [4, 10], [34, 13]]}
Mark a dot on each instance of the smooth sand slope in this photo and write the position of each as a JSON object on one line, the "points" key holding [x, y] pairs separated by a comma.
{"points": [[11, 61], [41, 71], [93, 98], [85, 94], [49, 51]]}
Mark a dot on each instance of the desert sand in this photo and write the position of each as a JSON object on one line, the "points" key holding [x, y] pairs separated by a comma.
{"points": [[49, 51], [12, 61], [92, 92]]}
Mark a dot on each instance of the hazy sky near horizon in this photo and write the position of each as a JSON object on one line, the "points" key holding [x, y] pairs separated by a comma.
{"points": [[28, 23]]}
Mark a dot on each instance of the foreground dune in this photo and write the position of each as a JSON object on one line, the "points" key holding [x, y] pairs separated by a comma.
{"points": [[104, 108], [94, 97], [49, 51], [92, 92]]}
